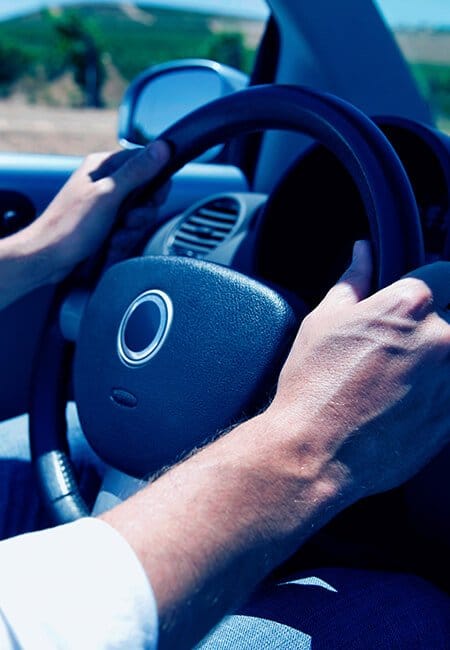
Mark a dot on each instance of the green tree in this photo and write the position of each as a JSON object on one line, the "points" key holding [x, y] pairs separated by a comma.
{"points": [[14, 62], [228, 48], [82, 53]]}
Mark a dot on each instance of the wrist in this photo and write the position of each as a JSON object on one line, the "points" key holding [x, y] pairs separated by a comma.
{"points": [[316, 485]]}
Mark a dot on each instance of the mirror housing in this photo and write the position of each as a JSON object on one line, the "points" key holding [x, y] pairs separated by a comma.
{"points": [[163, 94]]}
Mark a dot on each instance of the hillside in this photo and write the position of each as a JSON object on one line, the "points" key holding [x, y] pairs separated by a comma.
{"points": [[128, 38]]}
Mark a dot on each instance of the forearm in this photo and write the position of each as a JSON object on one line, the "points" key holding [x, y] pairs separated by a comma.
{"points": [[212, 528], [25, 265]]}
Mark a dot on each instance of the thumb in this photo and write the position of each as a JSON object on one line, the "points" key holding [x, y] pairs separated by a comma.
{"points": [[355, 284], [142, 167]]}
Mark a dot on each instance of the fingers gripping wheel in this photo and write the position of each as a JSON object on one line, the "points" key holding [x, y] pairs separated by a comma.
{"points": [[391, 211]]}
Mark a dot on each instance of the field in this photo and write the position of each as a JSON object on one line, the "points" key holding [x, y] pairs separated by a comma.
{"points": [[47, 129], [420, 46]]}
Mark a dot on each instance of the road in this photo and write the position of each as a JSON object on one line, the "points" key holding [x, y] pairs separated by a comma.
{"points": [[43, 129], [71, 131]]}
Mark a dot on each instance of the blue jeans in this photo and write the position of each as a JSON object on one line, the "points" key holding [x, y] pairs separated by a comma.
{"points": [[339, 609], [328, 609]]}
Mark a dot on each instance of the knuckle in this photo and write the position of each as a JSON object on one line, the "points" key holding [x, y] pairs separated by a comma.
{"points": [[93, 159], [438, 345], [415, 296], [105, 187]]}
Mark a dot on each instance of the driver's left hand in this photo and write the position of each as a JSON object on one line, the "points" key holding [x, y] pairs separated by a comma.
{"points": [[82, 214]]}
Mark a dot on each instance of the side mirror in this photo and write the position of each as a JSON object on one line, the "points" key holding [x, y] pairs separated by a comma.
{"points": [[163, 94]]}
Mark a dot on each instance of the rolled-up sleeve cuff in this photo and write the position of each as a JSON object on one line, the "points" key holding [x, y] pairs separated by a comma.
{"points": [[75, 586]]}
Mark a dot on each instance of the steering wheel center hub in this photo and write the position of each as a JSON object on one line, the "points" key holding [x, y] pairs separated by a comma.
{"points": [[144, 327], [148, 354]]}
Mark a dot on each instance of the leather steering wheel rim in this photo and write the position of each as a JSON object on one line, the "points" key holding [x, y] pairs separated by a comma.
{"points": [[355, 141]]}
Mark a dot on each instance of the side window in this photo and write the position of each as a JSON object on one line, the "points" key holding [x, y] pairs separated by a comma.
{"points": [[63, 71], [428, 53], [422, 31]]}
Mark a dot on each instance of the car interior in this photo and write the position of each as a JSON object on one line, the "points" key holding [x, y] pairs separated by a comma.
{"points": [[273, 178]]}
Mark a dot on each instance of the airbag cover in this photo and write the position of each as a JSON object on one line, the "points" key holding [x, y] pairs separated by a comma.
{"points": [[212, 362]]}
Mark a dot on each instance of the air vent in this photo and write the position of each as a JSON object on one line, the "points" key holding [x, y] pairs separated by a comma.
{"points": [[206, 227]]}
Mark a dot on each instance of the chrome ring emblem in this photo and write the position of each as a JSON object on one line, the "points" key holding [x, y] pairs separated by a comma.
{"points": [[144, 327]]}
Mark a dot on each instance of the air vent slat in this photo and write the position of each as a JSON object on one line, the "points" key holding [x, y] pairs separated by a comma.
{"points": [[225, 205], [204, 232], [204, 229], [185, 236], [196, 220], [217, 216]]}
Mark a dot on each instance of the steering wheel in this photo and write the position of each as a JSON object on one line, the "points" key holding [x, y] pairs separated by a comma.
{"points": [[171, 351]]}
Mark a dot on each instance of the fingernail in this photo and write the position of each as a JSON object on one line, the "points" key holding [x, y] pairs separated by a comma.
{"points": [[158, 151]]}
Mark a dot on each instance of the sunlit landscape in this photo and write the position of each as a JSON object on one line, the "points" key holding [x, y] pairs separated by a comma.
{"points": [[428, 52], [63, 71]]}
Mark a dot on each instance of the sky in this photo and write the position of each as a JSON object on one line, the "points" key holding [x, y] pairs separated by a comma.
{"points": [[249, 8], [398, 12], [434, 13]]}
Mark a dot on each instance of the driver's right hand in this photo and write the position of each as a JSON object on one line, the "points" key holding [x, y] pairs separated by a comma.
{"points": [[366, 386]]}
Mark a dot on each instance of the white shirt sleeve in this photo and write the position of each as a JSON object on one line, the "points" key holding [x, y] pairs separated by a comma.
{"points": [[75, 586]]}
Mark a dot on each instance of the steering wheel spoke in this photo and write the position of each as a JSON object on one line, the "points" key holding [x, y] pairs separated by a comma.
{"points": [[71, 313]]}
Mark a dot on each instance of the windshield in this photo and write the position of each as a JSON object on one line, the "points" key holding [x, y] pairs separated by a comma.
{"points": [[422, 30], [64, 67]]}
